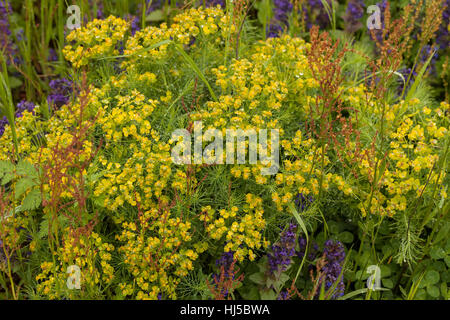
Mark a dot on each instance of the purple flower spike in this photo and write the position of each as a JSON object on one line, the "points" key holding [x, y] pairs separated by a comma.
{"points": [[3, 123], [280, 257], [6, 44], [282, 10], [284, 295], [24, 106], [225, 261], [355, 11], [335, 255], [442, 35], [61, 92]]}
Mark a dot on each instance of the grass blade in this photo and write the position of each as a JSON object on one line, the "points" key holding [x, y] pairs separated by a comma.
{"points": [[196, 70], [6, 101], [419, 77]]}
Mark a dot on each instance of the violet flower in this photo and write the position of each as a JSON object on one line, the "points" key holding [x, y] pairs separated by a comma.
{"points": [[20, 108], [24, 106], [283, 295], [442, 35], [135, 23], [317, 14], [225, 261], [302, 203], [353, 15], [379, 32], [274, 30], [61, 92], [282, 251], [155, 5], [334, 255], [7, 47], [3, 124], [314, 250], [282, 10]]}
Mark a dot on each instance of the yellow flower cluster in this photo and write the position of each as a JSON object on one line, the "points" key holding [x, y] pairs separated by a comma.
{"points": [[146, 43], [411, 161], [99, 38], [156, 253], [10, 237], [242, 232], [268, 91], [88, 253], [303, 175], [142, 170]]}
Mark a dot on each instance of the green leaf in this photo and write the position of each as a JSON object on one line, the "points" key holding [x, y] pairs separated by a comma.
{"points": [[305, 231], [154, 16], [432, 277], [22, 186], [433, 291], [414, 287], [32, 200], [421, 294], [25, 168], [196, 69], [447, 261], [438, 266], [268, 294], [15, 82], [284, 277], [443, 232], [387, 283], [418, 79], [262, 264], [6, 171], [437, 253], [264, 11], [279, 283], [249, 294], [7, 177], [385, 271], [258, 278], [6, 166], [444, 290], [346, 237], [299, 220], [333, 226], [357, 292], [353, 293], [43, 228]]}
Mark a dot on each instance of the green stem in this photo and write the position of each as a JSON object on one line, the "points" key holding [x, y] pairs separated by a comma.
{"points": [[10, 273]]}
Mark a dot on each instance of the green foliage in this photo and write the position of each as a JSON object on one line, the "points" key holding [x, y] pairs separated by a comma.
{"points": [[25, 179]]}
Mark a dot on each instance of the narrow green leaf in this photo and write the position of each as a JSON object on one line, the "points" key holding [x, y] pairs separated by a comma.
{"points": [[302, 225], [418, 79], [196, 69]]}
